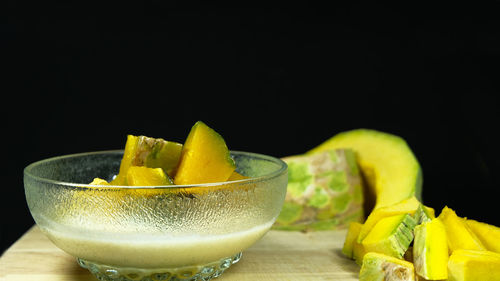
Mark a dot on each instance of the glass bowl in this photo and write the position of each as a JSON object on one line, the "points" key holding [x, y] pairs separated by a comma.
{"points": [[175, 232]]}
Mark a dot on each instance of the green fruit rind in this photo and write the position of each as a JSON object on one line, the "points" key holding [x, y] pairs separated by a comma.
{"points": [[380, 267], [327, 186], [422, 214]]}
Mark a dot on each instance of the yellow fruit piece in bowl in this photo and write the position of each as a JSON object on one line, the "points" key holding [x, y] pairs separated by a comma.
{"points": [[205, 157], [99, 181], [144, 176], [148, 152]]}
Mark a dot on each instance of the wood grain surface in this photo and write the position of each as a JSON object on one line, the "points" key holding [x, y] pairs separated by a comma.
{"points": [[280, 255]]}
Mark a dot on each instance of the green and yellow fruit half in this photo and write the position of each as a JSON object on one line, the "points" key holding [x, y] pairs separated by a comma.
{"points": [[389, 167]]}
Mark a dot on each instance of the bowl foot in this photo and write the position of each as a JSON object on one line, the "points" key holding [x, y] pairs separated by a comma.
{"points": [[188, 273]]}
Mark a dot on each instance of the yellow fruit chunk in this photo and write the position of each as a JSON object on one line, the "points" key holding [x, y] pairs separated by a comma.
{"points": [[164, 155], [472, 265], [204, 158], [430, 250], [351, 237], [98, 181], [127, 159], [358, 252], [148, 152], [408, 206], [352, 248], [458, 232], [487, 233], [386, 161], [144, 176], [391, 236], [380, 267]]}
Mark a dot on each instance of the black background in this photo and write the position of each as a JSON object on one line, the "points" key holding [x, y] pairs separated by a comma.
{"points": [[277, 80]]}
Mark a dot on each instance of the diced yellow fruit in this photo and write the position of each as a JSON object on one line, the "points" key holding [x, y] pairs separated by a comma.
{"points": [[386, 161], [391, 235], [205, 157], [408, 206], [236, 176], [487, 233], [473, 265], [351, 237], [430, 250], [98, 181], [423, 214], [144, 176], [127, 159], [430, 211], [358, 252], [379, 267], [165, 156], [458, 232], [148, 152]]}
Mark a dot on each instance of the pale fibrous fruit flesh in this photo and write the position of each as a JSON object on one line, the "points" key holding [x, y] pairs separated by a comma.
{"points": [[380, 267]]}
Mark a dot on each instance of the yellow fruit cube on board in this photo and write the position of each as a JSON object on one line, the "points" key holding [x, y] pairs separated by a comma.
{"points": [[458, 233], [407, 206], [351, 237], [430, 250], [473, 265], [487, 233], [391, 236]]}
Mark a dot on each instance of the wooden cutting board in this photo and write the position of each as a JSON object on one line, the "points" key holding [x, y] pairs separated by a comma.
{"points": [[279, 255]]}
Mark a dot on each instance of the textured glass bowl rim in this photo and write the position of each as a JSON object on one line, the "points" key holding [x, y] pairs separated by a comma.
{"points": [[275, 173]]}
